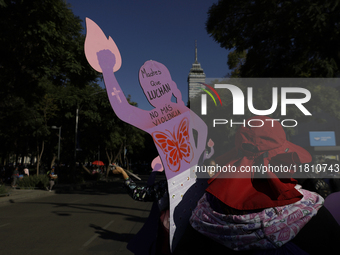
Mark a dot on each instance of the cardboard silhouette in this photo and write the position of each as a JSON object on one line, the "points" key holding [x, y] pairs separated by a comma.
{"points": [[170, 124]]}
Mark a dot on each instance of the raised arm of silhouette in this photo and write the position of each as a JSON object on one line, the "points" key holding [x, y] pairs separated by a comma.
{"points": [[103, 55], [118, 101]]}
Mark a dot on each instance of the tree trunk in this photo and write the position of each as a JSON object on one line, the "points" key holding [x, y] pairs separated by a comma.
{"points": [[120, 159], [53, 160], [40, 155], [16, 159], [109, 157]]}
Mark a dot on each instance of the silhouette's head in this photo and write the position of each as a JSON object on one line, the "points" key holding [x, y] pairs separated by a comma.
{"points": [[157, 84]]}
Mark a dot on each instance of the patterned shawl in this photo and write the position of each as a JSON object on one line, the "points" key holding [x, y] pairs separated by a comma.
{"points": [[268, 229]]}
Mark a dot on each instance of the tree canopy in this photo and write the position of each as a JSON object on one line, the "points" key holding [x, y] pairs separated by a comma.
{"points": [[285, 38], [45, 81]]}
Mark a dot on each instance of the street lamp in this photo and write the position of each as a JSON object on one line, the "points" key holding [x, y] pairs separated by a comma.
{"points": [[55, 127]]}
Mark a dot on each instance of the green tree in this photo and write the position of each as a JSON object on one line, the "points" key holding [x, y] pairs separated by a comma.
{"points": [[41, 45], [99, 129], [281, 38], [121, 140], [46, 109], [235, 61]]}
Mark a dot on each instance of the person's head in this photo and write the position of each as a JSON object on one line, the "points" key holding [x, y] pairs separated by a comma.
{"points": [[210, 166], [157, 84]]}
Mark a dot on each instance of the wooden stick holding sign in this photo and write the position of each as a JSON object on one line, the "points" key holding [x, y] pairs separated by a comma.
{"points": [[133, 175]]}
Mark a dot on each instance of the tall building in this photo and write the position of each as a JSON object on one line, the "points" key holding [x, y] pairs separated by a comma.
{"points": [[196, 75]]}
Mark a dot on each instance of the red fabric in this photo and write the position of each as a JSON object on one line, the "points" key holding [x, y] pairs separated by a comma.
{"points": [[248, 194], [243, 191]]}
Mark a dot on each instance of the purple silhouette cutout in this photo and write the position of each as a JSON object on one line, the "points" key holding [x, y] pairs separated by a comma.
{"points": [[171, 124]]}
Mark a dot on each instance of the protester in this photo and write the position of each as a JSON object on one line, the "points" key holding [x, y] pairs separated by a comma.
{"points": [[260, 213], [52, 176], [153, 238], [15, 176]]}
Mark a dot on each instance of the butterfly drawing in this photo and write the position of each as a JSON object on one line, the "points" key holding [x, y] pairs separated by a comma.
{"points": [[175, 145]]}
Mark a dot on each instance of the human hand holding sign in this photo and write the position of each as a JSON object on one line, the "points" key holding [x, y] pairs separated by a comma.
{"points": [[119, 170]]}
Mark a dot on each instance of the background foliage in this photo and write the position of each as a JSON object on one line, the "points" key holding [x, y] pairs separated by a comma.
{"points": [[45, 81], [280, 39], [284, 38]]}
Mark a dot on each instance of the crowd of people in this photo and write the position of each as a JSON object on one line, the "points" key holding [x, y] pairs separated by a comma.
{"points": [[11, 173]]}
